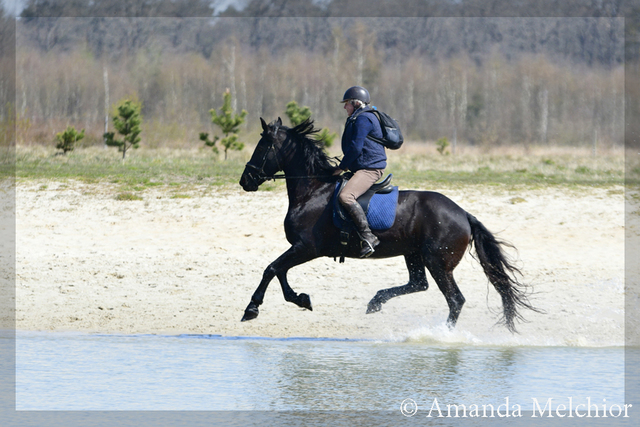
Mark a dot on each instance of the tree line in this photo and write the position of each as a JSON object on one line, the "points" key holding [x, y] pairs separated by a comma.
{"points": [[529, 101], [435, 29], [479, 80]]}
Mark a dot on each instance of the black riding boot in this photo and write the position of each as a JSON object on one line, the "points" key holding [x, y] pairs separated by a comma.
{"points": [[369, 240]]}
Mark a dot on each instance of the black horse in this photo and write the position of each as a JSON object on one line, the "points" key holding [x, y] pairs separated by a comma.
{"points": [[430, 230]]}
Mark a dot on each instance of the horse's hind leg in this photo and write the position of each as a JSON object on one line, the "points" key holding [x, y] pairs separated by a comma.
{"points": [[296, 255], [446, 283], [417, 283]]}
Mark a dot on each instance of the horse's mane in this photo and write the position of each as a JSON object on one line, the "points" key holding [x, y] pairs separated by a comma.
{"points": [[318, 162]]}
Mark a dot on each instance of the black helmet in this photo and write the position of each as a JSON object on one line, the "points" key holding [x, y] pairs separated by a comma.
{"points": [[357, 92]]}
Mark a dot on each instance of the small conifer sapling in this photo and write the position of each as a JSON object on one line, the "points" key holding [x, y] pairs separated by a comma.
{"points": [[229, 123], [299, 114], [68, 138], [127, 123]]}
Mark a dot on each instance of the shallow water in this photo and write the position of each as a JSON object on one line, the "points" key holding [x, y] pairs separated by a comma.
{"points": [[74, 371]]}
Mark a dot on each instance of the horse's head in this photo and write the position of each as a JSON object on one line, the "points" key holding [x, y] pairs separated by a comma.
{"points": [[265, 161]]}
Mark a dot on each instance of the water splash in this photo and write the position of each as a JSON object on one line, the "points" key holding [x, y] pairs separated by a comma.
{"points": [[440, 334]]}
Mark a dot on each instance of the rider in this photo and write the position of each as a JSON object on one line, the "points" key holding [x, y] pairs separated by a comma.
{"points": [[365, 158]]}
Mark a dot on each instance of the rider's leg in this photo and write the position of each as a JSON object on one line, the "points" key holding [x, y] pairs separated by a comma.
{"points": [[361, 181]]}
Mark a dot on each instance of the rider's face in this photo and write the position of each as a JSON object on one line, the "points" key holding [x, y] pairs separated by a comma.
{"points": [[349, 107]]}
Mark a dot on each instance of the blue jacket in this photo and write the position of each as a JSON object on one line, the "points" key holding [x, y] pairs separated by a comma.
{"points": [[359, 151]]}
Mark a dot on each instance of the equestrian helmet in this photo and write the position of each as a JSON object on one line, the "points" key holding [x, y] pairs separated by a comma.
{"points": [[357, 92]]}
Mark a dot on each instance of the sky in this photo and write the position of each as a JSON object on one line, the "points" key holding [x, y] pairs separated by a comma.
{"points": [[13, 7]]}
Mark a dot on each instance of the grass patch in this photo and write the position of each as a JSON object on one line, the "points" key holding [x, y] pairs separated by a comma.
{"points": [[126, 196], [583, 170], [534, 169], [144, 168], [516, 200], [416, 167]]}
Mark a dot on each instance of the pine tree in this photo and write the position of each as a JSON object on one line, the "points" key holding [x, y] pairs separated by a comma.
{"points": [[442, 145], [127, 123], [298, 115], [326, 137], [205, 137], [229, 123], [68, 138]]}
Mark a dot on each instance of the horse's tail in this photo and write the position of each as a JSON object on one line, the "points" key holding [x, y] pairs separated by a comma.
{"points": [[501, 273]]}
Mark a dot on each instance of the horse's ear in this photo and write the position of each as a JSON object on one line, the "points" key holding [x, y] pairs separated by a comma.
{"points": [[265, 127], [279, 122]]}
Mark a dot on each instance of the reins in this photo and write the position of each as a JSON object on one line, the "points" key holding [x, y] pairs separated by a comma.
{"points": [[283, 176]]}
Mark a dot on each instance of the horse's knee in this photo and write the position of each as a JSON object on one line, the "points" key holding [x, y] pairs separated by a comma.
{"points": [[269, 273]]}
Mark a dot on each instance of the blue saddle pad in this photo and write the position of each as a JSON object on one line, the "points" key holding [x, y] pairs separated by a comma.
{"points": [[381, 214]]}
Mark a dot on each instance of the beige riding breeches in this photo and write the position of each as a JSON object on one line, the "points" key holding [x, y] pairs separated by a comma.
{"points": [[361, 181]]}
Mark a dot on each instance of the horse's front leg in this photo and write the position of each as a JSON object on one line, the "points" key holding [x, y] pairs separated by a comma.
{"points": [[301, 300], [296, 255]]}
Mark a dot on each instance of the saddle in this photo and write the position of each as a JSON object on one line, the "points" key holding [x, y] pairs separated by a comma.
{"points": [[378, 203], [382, 187]]}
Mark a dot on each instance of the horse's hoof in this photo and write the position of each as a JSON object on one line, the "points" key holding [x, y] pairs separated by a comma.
{"points": [[250, 313], [304, 301], [374, 307]]}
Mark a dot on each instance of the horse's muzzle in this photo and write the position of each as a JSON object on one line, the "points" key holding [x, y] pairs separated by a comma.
{"points": [[249, 182]]}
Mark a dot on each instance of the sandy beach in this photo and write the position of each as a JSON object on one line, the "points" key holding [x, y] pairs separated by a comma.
{"points": [[189, 263]]}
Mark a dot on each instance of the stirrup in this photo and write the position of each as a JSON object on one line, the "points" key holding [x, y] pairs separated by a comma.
{"points": [[367, 249]]}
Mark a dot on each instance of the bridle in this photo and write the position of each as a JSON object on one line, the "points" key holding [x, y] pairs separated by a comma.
{"points": [[259, 171]]}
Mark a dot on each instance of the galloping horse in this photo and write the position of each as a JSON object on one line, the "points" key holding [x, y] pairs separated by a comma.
{"points": [[430, 230]]}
